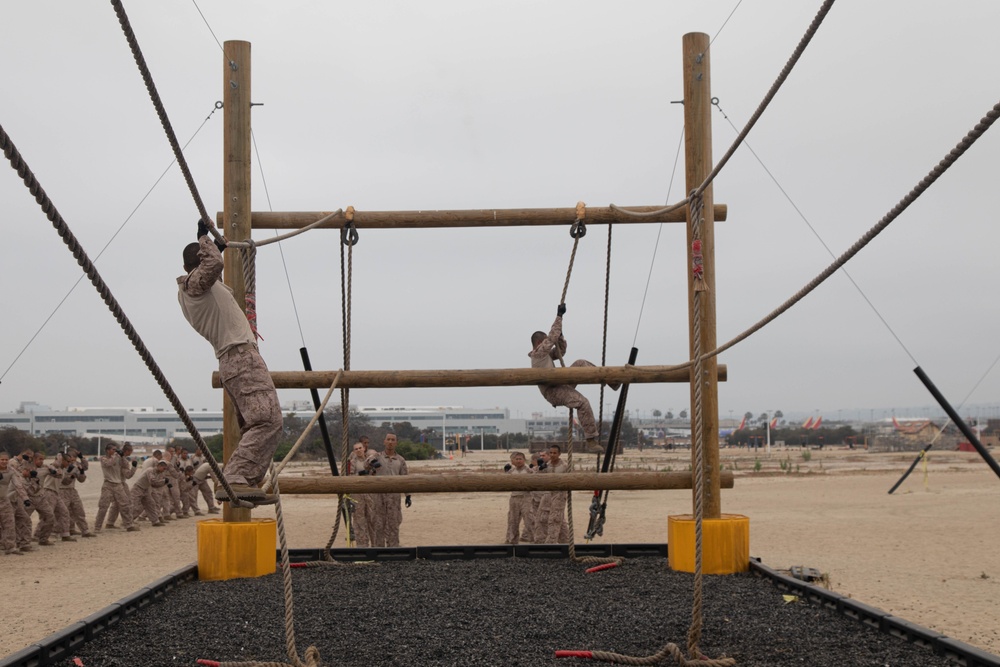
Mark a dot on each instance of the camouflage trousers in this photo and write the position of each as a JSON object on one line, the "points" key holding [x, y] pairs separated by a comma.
{"points": [[142, 500], [531, 520], [518, 511], [189, 497], [46, 516], [206, 493], [77, 515], [556, 529], [114, 511], [388, 515], [247, 381], [566, 395], [8, 529], [364, 513], [22, 522], [119, 493]]}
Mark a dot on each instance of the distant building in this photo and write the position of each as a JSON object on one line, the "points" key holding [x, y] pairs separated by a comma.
{"points": [[140, 424], [157, 425], [453, 420]]}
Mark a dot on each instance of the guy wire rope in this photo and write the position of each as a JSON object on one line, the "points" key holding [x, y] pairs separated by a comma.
{"points": [[107, 245], [48, 207]]}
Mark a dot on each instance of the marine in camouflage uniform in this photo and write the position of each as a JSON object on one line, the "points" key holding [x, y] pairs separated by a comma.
{"points": [[40, 500], [76, 471], [149, 479], [364, 503], [115, 467], [519, 506], [127, 474], [556, 529], [552, 346], [8, 527], [202, 473], [18, 496], [209, 306], [389, 512]]}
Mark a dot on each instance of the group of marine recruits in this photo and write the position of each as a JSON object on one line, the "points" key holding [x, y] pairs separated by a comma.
{"points": [[539, 516], [375, 517], [165, 488]]}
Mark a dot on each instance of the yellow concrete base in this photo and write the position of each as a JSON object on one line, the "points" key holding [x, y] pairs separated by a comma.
{"points": [[236, 549], [725, 544]]}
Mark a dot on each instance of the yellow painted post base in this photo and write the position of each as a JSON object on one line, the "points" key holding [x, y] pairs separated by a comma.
{"points": [[236, 549], [725, 544]]}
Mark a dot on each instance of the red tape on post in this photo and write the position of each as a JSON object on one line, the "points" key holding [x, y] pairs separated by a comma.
{"points": [[208, 663]]}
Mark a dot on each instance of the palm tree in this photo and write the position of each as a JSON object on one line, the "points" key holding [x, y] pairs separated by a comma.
{"points": [[657, 413], [683, 414]]}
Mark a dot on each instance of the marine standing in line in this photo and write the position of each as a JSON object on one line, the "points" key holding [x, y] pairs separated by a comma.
{"points": [[557, 530], [364, 503], [114, 466], [142, 496], [519, 507], [76, 471], [389, 512], [8, 529]]}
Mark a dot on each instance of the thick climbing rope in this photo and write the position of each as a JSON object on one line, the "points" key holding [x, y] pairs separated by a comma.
{"points": [[312, 657], [782, 76], [577, 231], [672, 651], [589, 560], [939, 169], [48, 207], [161, 113], [922, 186]]}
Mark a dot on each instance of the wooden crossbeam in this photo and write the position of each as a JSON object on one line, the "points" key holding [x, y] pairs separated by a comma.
{"points": [[493, 482], [509, 217], [501, 377]]}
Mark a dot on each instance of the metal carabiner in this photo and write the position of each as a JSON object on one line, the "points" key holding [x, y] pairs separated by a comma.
{"points": [[349, 234]]}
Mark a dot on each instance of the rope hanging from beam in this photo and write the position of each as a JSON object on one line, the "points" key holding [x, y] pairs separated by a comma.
{"points": [[588, 560]]}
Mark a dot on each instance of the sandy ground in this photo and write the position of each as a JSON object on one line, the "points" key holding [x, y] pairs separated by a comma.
{"points": [[930, 553]]}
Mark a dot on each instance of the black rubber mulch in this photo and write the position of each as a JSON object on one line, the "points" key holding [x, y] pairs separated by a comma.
{"points": [[510, 612]]}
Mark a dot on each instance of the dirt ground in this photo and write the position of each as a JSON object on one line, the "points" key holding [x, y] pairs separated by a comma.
{"points": [[929, 553]]}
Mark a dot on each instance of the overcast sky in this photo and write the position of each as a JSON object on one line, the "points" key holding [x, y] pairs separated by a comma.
{"points": [[451, 105]]}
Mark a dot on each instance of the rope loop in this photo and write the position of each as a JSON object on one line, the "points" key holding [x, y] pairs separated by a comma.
{"points": [[349, 234], [578, 230]]}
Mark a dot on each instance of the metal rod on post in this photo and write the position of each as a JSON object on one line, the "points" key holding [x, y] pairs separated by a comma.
{"points": [[698, 165], [306, 365], [959, 422], [236, 210]]}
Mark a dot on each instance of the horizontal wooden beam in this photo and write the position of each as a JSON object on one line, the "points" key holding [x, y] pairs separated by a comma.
{"points": [[502, 377], [506, 217], [490, 482]]}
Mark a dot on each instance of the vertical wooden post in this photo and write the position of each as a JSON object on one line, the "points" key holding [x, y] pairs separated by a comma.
{"points": [[236, 209], [698, 164]]}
